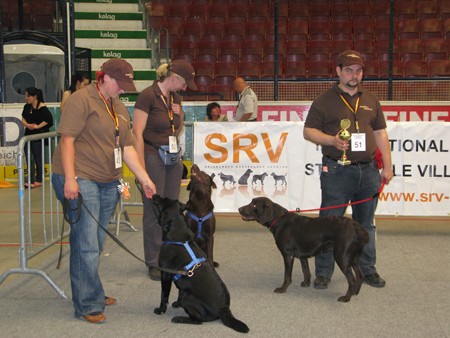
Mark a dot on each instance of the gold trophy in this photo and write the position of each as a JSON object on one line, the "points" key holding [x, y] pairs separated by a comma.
{"points": [[345, 135]]}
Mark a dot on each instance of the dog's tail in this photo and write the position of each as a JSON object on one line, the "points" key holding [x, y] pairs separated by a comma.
{"points": [[228, 319]]}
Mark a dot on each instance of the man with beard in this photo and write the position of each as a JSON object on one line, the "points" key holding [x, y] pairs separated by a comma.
{"points": [[353, 177]]}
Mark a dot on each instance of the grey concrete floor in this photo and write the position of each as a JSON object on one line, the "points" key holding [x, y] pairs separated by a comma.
{"points": [[413, 257]]}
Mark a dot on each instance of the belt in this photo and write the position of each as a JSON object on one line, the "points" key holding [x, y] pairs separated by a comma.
{"points": [[353, 163]]}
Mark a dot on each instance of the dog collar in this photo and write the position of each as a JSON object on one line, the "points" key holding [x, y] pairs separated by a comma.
{"points": [[200, 221], [277, 219]]}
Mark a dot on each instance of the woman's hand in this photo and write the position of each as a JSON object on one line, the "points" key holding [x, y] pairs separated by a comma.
{"points": [[71, 189]]}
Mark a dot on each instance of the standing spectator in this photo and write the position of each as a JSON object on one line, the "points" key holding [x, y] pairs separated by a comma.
{"points": [[37, 119], [213, 113], [78, 81], [87, 165], [247, 107], [361, 179], [158, 121]]}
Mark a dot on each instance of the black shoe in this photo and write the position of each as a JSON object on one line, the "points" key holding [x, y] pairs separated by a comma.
{"points": [[154, 273], [321, 282], [375, 280]]}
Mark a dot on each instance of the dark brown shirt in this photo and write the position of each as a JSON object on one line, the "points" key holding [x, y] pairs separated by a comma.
{"points": [[329, 109], [158, 127], [86, 119]]}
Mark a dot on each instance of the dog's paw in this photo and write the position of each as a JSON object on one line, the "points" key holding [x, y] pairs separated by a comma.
{"points": [[344, 299], [305, 284], [176, 304], [215, 264], [280, 290], [160, 310]]}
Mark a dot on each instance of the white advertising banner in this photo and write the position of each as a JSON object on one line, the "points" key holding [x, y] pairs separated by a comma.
{"points": [[270, 159]]}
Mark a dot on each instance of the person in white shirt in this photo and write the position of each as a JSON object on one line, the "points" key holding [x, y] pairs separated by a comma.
{"points": [[247, 107]]}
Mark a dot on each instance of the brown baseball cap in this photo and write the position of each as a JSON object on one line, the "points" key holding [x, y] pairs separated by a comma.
{"points": [[186, 71], [349, 58], [122, 72]]}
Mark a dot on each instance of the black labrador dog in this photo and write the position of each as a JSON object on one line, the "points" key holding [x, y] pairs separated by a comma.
{"points": [[304, 237], [202, 293], [200, 211]]}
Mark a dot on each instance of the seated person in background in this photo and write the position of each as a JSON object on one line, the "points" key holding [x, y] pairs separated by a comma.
{"points": [[213, 113]]}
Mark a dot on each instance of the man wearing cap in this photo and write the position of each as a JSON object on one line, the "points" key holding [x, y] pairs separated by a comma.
{"points": [[87, 167], [359, 178], [158, 121], [247, 107]]}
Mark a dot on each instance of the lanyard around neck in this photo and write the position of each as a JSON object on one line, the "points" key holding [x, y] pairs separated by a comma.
{"points": [[169, 112], [353, 110], [111, 111]]}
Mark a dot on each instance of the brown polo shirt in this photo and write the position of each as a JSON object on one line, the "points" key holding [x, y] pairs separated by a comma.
{"points": [[329, 109], [158, 128], [85, 117]]}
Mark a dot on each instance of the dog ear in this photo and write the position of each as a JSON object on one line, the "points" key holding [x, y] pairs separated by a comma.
{"points": [[265, 212], [213, 184]]}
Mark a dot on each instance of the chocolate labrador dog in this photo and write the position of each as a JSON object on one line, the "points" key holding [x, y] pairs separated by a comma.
{"points": [[202, 293], [304, 237], [200, 211]]}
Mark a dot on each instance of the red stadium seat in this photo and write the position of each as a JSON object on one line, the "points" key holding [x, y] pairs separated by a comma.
{"points": [[397, 69], [318, 69], [427, 10], [297, 47], [249, 69], [204, 68], [408, 29], [215, 25], [439, 68], [187, 57], [405, 10], [203, 83], [298, 11], [268, 69], [415, 68], [251, 57], [294, 70], [364, 46], [226, 68], [208, 47], [218, 10], [206, 58], [430, 28], [370, 69]]}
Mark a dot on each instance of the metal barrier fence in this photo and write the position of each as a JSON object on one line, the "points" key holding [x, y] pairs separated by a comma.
{"points": [[39, 210]]}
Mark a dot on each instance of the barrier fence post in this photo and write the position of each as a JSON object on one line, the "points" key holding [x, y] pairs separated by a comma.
{"points": [[23, 259]]}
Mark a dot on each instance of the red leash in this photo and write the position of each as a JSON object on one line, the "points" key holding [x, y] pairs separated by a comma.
{"points": [[345, 204]]}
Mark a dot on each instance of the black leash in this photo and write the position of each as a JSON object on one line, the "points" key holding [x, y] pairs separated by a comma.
{"points": [[66, 207]]}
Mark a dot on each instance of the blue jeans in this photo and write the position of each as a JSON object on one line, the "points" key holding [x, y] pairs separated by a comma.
{"points": [[343, 184], [86, 239]]}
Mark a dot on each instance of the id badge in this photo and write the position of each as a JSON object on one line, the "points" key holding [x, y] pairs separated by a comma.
{"points": [[173, 148], [118, 158], [358, 142]]}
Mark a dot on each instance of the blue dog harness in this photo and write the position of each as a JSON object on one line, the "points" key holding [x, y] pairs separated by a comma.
{"points": [[200, 221], [194, 264]]}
